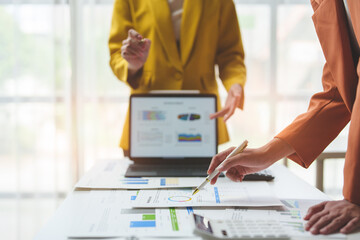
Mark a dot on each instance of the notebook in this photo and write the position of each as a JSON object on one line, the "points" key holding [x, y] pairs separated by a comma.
{"points": [[171, 135]]}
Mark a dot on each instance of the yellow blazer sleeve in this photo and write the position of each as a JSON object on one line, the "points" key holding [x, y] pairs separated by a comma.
{"points": [[230, 52], [121, 23]]}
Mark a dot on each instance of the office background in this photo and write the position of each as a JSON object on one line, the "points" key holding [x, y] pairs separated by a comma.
{"points": [[62, 109]]}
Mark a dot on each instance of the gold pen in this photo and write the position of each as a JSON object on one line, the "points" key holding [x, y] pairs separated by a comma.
{"points": [[237, 150]]}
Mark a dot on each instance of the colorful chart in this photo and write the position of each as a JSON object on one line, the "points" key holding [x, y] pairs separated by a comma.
{"points": [[187, 116], [140, 218], [183, 137], [183, 117], [169, 181], [153, 115], [179, 199]]}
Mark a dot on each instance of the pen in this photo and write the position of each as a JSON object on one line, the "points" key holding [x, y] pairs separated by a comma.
{"points": [[237, 150]]}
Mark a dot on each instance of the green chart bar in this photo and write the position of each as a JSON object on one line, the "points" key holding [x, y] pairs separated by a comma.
{"points": [[148, 217], [174, 221]]}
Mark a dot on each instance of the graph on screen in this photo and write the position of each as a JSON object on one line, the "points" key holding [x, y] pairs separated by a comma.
{"points": [[183, 137], [189, 116], [153, 115]]}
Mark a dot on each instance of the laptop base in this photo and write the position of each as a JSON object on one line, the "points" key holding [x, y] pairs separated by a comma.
{"points": [[145, 170], [155, 170]]}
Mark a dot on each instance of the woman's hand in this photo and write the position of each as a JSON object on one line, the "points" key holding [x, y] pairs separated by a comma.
{"points": [[135, 50], [250, 160], [232, 101], [333, 216]]}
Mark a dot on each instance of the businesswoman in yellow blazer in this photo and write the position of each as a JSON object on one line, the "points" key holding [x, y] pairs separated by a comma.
{"points": [[175, 45]]}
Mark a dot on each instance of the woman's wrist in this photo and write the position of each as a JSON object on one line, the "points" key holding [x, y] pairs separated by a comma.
{"points": [[133, 77], [133, 71], [275, 150]]}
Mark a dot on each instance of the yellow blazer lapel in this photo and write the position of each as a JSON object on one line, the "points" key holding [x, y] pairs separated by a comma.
{"points": [[161, 13], [189, 25], [332, 30]]}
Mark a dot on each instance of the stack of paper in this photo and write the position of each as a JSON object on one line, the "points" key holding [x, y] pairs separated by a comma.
{"points": [[163, 207], [109, 175]]}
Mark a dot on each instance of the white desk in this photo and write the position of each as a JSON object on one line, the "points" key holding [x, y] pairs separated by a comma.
{"points": [[286, 186]]}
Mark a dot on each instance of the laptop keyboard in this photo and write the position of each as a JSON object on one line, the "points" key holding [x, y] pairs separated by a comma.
{"points": [[264, 175], [138, 170]]}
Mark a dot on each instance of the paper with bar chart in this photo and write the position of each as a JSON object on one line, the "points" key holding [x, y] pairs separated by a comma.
{"points": [[110, 216], [109, 175], [222, 194], [290, 217]]}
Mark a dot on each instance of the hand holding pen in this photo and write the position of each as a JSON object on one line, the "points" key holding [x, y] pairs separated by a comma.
{"points": [[217, 171]]}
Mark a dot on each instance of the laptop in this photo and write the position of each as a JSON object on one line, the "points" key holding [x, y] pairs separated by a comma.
{"points": [[171, 135]]}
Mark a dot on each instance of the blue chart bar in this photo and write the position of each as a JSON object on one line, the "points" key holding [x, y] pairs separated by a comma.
{"points": [[162, 182], [135, 181], [189, 210], [142, 224], [131, 182], [133, 197], [217, 198]]}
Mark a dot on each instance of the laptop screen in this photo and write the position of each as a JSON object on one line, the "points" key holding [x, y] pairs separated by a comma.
{"points": [[172, 126]]}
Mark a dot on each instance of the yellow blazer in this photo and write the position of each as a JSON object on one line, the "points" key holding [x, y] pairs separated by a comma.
{"points": [[209, 35]]}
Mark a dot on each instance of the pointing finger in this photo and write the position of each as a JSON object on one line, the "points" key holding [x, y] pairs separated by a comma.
{"points": [[232, 110], [217, 159], [213, 181], [220, 113], [229, 163]]}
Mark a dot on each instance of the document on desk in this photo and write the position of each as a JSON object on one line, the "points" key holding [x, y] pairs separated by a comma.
{"points": [[109, 175], [108, 214], [290, 216], [253, 194], [292, 219]]}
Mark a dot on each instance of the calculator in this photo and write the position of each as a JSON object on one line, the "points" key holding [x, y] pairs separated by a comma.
{"points": [[239, 229]]}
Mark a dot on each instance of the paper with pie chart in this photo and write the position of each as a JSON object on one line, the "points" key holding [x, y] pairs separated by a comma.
{"points": [[244, 194]]}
